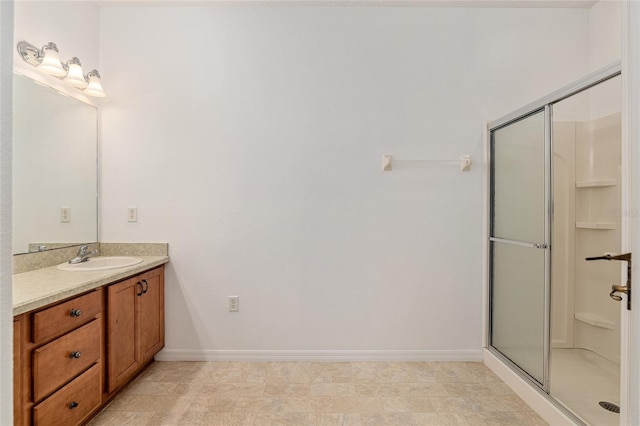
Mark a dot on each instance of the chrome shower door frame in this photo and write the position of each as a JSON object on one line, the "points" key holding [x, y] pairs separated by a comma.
{"points": [[545, 103], [543, 245]]}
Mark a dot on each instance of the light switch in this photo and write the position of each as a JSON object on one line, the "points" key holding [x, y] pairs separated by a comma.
{"points": [[132, 214], [65, 214]]}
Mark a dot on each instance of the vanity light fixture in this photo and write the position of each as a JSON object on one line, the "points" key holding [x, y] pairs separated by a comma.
{"points": [[75, 76], [47, 60], [50, 63], [94, 87]]}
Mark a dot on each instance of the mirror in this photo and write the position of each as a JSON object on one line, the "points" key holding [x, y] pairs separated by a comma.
{"points": [[55, 181]]}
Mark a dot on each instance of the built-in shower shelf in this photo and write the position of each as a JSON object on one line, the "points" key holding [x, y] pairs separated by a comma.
{"points": [[594, 320], [596, 225], [596, 183]]}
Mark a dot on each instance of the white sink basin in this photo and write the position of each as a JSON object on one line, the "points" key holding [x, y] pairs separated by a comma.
{"points": [[101, 263]]}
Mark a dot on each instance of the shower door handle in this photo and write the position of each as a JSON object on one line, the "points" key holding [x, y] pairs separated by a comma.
{"points": [[626, 289]]}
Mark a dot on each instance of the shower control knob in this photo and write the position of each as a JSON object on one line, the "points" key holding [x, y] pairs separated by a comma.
{"points": [[618, 289]]}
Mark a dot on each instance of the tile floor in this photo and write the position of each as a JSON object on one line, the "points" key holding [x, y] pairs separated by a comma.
{"points": [[317, 393]]}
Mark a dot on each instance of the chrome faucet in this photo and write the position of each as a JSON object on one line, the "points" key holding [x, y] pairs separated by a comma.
{"points": [[83, 254]]}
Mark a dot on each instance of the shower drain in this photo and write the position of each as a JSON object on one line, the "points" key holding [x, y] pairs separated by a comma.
{"points": [[610, 406]]}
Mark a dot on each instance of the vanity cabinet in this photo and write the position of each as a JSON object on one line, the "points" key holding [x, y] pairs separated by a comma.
{"points": [[71, 357], [58, 350], [135, 325]]}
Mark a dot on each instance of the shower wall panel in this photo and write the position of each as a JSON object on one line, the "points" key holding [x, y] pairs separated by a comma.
{"points": [[563, 237], [598, 222]]}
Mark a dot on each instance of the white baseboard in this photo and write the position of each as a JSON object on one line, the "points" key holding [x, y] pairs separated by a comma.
{"points": [[313, 355], [541, 405]]}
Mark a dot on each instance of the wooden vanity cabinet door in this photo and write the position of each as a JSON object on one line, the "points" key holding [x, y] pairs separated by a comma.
{"points": [[122, 341], [135, 325], [151, 315]]}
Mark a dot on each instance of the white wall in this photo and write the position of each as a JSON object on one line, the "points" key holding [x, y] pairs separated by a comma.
{"points": [[6, 290], [604, 33], [604, 48], [250, 139]]}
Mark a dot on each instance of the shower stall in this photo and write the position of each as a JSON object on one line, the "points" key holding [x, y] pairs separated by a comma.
{"points": [[556, 238]]}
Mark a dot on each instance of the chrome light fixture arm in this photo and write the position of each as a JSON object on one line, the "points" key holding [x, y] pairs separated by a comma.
{"points": [[31, 54]]}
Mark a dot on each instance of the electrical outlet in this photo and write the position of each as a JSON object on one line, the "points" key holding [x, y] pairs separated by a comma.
{"points": [[132, 214], [65, 214], [234, 303]]}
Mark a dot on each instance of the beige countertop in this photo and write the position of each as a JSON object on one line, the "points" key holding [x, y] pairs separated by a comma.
{"points": [[41, 287]]}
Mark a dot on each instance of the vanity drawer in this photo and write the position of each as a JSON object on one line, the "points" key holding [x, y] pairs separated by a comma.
{"points": [[73, 403], [66, 316], [57, 362]]}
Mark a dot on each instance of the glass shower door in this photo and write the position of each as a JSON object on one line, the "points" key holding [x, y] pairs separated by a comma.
{"points": [[586, 323], [519, 243]]}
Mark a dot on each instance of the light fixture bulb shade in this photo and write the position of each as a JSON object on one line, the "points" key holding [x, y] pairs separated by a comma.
{"points": [[51, 62], [95, 86], [75, 76]]}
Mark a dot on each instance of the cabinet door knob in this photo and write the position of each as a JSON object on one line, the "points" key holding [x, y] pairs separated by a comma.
{"points": [[73, 405], [75, 312], [75, 354], [141, 289], [146, 287]]}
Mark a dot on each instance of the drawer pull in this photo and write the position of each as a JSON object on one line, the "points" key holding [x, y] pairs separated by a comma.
{"points": [[141, 288], [75, 354], [73, 405], [75, 313], [147, 286]]}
